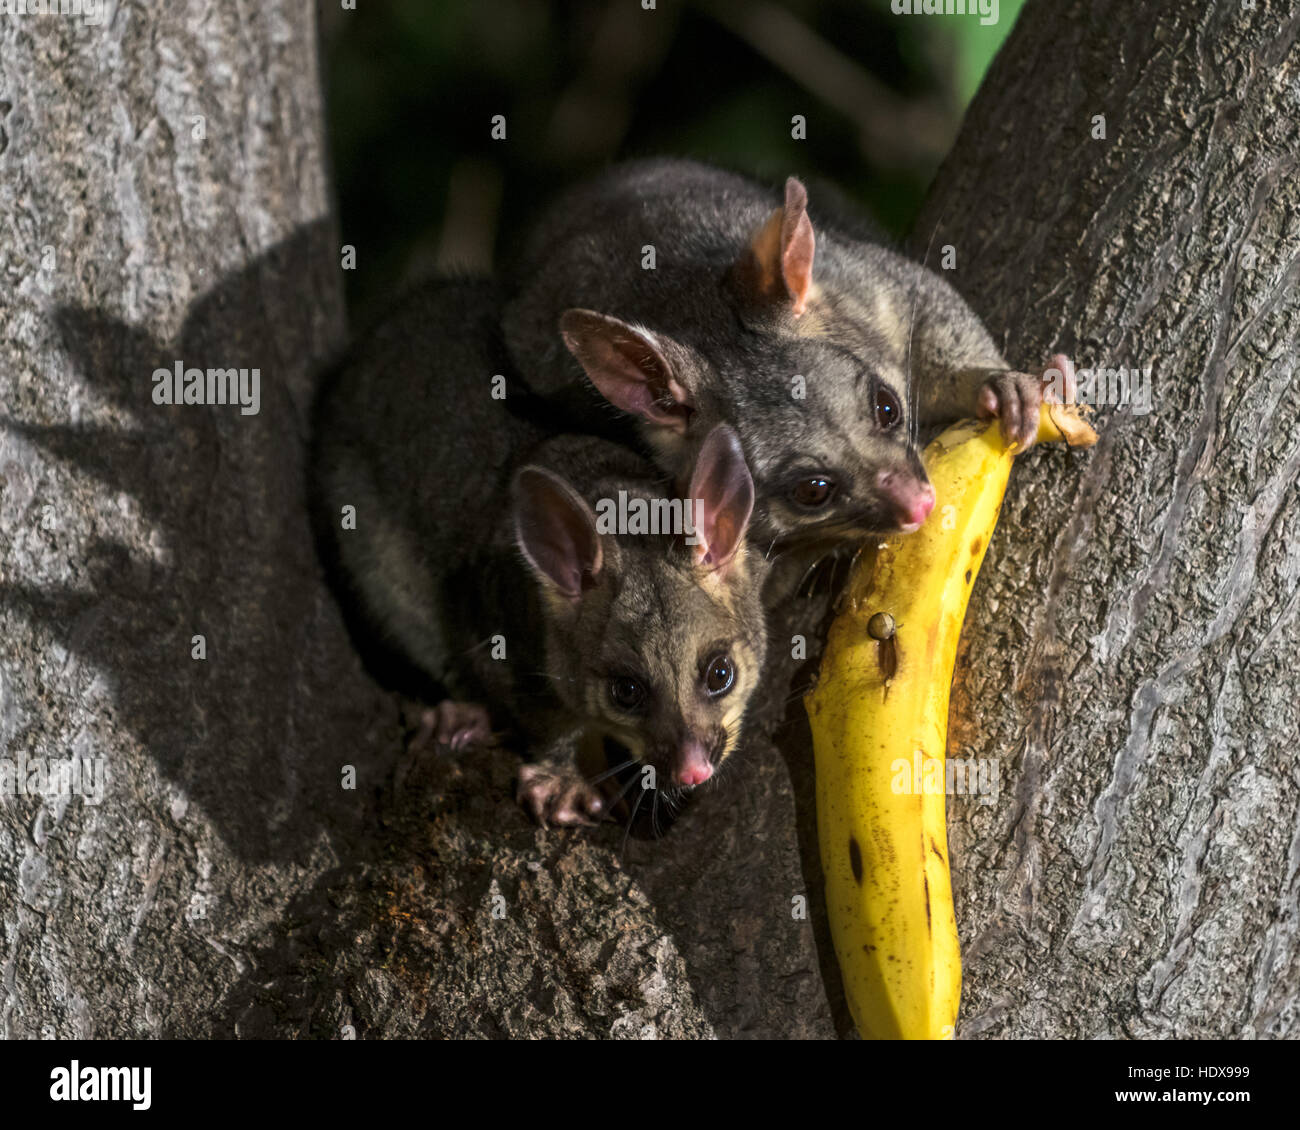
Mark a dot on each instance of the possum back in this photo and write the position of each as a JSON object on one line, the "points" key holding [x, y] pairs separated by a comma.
{"points": [[409, 434]]}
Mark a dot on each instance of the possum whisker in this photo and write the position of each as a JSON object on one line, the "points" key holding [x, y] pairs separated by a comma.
{"points": [[548, 675], [798, 694], [630, 821], [624, 790], [811, 570], [673, 799], [913, 395], [610, 772]]}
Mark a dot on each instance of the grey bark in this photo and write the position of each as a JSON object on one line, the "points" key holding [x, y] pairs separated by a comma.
{"points": [[165, 199], [228, 883], [1133, 646], [1128, 656]]}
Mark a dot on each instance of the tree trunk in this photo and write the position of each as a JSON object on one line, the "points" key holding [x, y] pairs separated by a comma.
{"points": [[167, 203], [1127, 655], [1132, 647]]}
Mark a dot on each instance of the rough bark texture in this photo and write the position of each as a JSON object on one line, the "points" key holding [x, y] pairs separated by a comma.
{"points": [[127, 527], [227, 883], [463, 920], [1130, 654], [1132, 648]]}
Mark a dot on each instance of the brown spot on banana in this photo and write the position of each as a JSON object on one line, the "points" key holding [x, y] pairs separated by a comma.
{"points": [[887, 660]]}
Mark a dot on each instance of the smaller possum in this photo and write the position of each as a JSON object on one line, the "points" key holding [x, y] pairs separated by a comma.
{"points": [[480, 555]]}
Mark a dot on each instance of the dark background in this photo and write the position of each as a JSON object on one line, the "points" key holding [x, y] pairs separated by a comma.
{"points": [[413, 85]]}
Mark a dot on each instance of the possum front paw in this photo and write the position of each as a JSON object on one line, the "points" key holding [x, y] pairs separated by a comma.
{"points": [[456, 725], [1015, 399], [558, 795]]}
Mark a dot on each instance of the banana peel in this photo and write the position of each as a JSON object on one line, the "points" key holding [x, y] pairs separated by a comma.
{"points": [[879, 713]]}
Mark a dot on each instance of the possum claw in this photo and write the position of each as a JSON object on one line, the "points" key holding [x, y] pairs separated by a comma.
{"points": [[457, 725], [1015, 399], [558, 797]]}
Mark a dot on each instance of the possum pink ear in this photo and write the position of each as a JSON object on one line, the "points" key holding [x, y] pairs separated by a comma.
{"points": [[628, 366], [556, 531], [777, 267], [724, 491]]}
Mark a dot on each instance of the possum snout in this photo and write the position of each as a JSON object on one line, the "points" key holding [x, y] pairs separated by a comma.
{"points": [[693, 760], [692, 765], [912, 499]]}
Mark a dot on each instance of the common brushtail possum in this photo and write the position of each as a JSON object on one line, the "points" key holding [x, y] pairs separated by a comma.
{"points": [[483, 546], [826, 353]]}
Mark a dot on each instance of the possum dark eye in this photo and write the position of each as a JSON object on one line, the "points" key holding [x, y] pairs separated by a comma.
{"points": [[626, 694], [719, 675], [889, 413], [813, 492]]}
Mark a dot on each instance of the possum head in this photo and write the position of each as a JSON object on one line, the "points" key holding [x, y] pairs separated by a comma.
{"points": [[652, 641], [815, 382]]}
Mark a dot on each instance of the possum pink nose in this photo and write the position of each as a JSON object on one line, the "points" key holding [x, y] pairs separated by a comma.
{"points": [[695, 774], [693, 764], [921, 507], [913, 500]]}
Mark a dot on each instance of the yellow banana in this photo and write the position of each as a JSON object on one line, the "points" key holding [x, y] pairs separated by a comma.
{"points": [[879, 719]]}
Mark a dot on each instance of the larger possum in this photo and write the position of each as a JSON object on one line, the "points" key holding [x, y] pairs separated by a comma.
{"points": [[826, 353], [472, 553]]}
